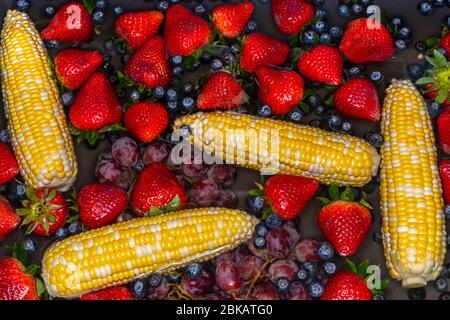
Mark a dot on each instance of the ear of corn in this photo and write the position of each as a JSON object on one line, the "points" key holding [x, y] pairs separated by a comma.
{"points": [[119, 253], [274, 146], [411, 202], [40, 137]]}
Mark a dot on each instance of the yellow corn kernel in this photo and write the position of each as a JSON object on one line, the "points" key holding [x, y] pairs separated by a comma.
{"points": [[274, 146], [40, 136], [122, 252], [411, 201]]}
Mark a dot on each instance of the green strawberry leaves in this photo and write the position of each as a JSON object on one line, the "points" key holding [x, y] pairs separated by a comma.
{"points": [[173, 205], [92, 136], [347, 194], [90, 6], [369, 273], [437, 77]]}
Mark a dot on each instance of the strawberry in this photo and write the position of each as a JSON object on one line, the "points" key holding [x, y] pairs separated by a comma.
{"points": [[71, 23], [230, 19], [292, 15], [358, 98], [281, 89], [184, 31], [433, 94], [146, 120], [322, 64], [221, 91], [44, 211], [113, 293], [156, 187], [9, 220], [149, 65], [137, 27], [73, 67], [344, 223], [443, 130], [15, 283], [346, 285], [365, 41], [444, 168], [288, 195], [9, 168], [99, 204], [96, 105], [260, 49], [445, 43]]}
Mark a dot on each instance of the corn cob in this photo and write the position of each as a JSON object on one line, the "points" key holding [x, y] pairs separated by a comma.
{"points": [[40, 137], [120, 253], [411, 201], [246, 140]]}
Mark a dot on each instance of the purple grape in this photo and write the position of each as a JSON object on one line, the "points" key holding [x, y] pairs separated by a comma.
{"points": [[227, 199], [294, 231], [200, 285], [222, 173], [228, 276], [278, 243], [125, 151], [107, 171], [160, 292], [306, 250], [249, 267], [298, 291], [204, 193], [282, 268], [155, 152], [264, 291]]}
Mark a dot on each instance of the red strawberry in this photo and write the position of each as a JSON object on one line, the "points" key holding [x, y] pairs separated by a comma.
{"points": [[288, 195], [15, 283], [358, 98], [365, 41], [445, 42], [137, 27], [281, 89], [9, 220], [114, 293], [292, 15], [346, 285], [149, 65], [45, 211], [157, 187], [443, 130], [146, 120], [444, 168], [73, 67], [322, 64], [184, 31], [9, 168], [344, 224], [231, 19], [96, 105], [221, 91], [436, 80], [99, 204], [432, 95], [71, 23], [260, 49]]}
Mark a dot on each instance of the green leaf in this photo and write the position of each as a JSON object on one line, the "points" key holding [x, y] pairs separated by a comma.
{"points": [[304, 107], [362, 268], [26, 221], [351, 265], [18, 252], [329, 101], [330, 88], [333, 192], [22, 212], [154, 211], [441, 61], [432, 42], [384, 283], [40, 288], [173, 205], [442, 96], [97, 30], [267, 211], [46, 226], [365, 204], [113, 127], [90, 5], [73, 219], [30, 228], [32, 269], [347, 195], [51, 218], [30, 194], [324, 200], [293, 40], [255, 192], [51, 196]]}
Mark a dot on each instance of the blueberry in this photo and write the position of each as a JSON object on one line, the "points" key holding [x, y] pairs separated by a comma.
{"points": [[185, 131], [113, 79], [445, 271], [200, 9], [171, 95], [318, 3], [425, 8], [159, 92], [377, 296], [302, 275], [251, 26], [319, 110], [447, 21], [416, 293], [173, 278], [74, 227], [176, 60], [53, 44], [162, 5], [447, 212], [5, 136], [172, 105], [274, 221], [321, 14], [112, 137], [67, 98], [62, 233], [396, 21], [377, 237], [404, 33], [329, 268], [438, 3], [415, 71], [139, 166], [354, 71], [188, 103], [235, 48], [135, 95], [325, 251], [295, 115], [228, 58], [22, 5], [256, 203], [336, 32], [108, 67], [344, 10], [101, 4], [155, 280], [400, 44], [20, 191], [50, 11], [444, 296], [107, 58], [365, 2], [448, 241], [264, 111], [121, 93], [316, 289], [312, 268], [264, 1], [375, 139], [118, 10], [313, 101], [260, 242], [174, 1], [325, 38], [376, 76], [30, 245], [357, 9], [282, 284], [216, 64], [261, 229], [434, 108], [196, 65], [139, 288], [206, 57], [193, 270], [346, 127], [177, 72], [98, 17], [334, 122], [188, 88], [309, 37]]}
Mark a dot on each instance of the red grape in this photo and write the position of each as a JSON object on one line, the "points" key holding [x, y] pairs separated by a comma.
{"points": [[227, 199], [200, 285], [125, 151], [107, 171], [159, 292], [214, 296], [125, 178], [298, 291], [241, 252], [230, 255], [222, 173], [278, 242], [293, 229], [194, 168], [155, 152], [282, 268], [204, 193], [249, 267], [264, 291], [306, 250], [228, 276]]}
